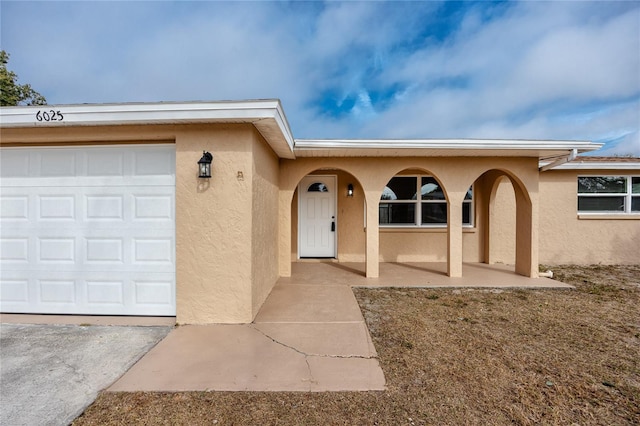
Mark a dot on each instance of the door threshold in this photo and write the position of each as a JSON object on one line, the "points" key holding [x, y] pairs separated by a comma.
{"points": [[317, 259]]}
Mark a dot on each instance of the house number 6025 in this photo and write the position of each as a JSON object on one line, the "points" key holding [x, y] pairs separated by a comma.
{"points": [[50, 115]]}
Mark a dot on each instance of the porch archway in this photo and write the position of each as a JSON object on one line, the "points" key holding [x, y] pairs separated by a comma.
{"points": [[525, 214], [413, 199]]}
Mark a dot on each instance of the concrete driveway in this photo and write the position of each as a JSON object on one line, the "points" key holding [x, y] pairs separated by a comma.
{"points": [[50, 373]]}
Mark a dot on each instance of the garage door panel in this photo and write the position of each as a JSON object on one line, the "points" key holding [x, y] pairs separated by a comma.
{"points": [[56, 250], [57, 292], [14, 250], [92, 250], [15, 291], [95, 166], [15, 163], [24, 209], [68, 245], [104, 251], [56, 207], [158, 207], [88, 206], [57, 163], [104, 162], [88, 292], [14, 208], [104, 207]]}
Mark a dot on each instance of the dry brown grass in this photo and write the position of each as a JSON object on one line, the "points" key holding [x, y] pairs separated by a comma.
{"points": [[456, 357]]}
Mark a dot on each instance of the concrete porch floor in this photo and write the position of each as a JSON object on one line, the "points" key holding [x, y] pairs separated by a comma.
{"points": [[414, 274], [309, 334]]}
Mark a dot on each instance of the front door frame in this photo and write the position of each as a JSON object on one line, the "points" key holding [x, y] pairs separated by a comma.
{"points": [[302, 190]]}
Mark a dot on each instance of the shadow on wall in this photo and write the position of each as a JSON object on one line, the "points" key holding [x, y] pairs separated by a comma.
{"points": [[203, 185]]}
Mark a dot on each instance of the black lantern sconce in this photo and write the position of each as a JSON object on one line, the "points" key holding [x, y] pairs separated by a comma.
{"points": [[204, 165], [350, 190]]}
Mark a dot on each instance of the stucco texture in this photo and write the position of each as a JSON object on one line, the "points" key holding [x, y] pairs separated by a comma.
{"points": [[567, 238], [264, 222], [454, 243], [226, 227], [236, 233], [213, 232]]}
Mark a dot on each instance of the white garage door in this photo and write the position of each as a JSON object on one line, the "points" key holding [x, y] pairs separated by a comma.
{"points": [[88, 230]]}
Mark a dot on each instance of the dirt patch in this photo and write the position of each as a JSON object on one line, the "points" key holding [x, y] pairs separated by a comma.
{"points": [[456, 357]]}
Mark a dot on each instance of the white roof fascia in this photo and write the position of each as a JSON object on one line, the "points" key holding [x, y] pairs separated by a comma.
{"points": [[445, 144], [256, 112], [600, 165]]}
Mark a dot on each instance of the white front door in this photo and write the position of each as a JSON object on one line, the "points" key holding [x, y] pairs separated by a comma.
{"points": [[317, 216]]}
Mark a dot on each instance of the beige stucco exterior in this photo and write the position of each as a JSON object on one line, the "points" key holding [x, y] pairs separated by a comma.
{"points": [[454, 244], [237, 232], [264, 222], [566, 237], [503, 224], [226, 227]]}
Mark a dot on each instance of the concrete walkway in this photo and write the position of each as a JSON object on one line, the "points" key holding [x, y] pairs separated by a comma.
{"points": [[305, 338], [308, 336]]}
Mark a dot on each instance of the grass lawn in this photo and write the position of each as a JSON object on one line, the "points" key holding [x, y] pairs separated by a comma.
{"points": [[456, 357]]}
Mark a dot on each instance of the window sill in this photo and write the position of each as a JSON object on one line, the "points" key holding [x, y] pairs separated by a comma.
{"points": [[419, 230], [614, 216]]}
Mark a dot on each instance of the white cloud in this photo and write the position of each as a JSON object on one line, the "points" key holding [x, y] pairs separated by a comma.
{"points": [[553, 70]]}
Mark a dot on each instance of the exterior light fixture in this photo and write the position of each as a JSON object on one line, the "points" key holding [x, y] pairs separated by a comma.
{"points": [[350, 190], [204, 165]]}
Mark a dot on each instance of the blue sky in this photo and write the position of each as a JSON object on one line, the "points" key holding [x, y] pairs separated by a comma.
{"points": [[525, 70]]}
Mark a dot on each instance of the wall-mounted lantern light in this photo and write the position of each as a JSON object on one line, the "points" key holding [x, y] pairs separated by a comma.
{"points": [[204, 165], [350, 190]]}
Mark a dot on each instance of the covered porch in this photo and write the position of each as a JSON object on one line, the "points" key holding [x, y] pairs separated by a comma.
{"points": [[414, 201]]}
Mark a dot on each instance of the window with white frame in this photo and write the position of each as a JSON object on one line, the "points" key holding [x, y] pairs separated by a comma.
{"points": [[609, 194], [401, 206]]}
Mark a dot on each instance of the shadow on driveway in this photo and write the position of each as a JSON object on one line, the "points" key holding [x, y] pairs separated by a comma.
{"points": [[49, 374]]}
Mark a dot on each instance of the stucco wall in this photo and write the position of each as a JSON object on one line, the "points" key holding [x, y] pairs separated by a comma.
{"points": [[264, 221], [425, 245], [213, 232], [456, 174], [351, 231], [213, 217], [565, 238], [503, 224]]}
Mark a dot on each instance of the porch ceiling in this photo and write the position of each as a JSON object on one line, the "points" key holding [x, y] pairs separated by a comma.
{"points": [[439, 148]]}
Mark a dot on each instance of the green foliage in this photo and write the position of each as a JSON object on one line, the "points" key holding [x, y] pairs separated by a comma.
{"points": [[12, 93]]}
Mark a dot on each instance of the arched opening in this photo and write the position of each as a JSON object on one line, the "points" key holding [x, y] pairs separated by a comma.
{"points": [[505, 215], [413, 213], [328, 206]]}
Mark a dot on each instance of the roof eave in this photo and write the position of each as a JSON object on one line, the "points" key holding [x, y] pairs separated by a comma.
{"points": [[597, 165], [449, 147], [267, 116]]}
